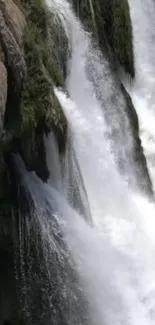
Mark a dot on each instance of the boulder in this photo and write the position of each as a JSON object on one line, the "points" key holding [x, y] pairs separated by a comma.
{"points": [[14, 19]]}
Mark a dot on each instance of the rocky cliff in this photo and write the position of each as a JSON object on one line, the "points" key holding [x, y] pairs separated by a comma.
{"points": [[30, 62]]}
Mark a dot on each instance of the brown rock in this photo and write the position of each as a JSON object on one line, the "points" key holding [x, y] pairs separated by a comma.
{"points": [[14, 55], [14, 59], [14, 19]]}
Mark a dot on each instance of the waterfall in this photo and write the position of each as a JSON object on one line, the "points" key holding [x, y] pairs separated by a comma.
{"points": [[114, 262], [50, 291], [142, 92], [99, 272], [95, 110], [98, 99], [65, 175]]}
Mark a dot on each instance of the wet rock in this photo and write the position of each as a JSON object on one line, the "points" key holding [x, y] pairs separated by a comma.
{"points": [[140, 164], [110, 23], [3, 94]]}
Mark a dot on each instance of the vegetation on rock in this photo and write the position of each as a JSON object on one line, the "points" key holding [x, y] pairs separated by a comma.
{"points": [[33, 54], [44, 70], [34, 64], [110, 21], [37, 108]]}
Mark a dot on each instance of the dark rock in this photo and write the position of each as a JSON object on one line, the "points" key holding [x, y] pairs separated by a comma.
{"points": [[110, 22], [3, 94], [139, 160]]}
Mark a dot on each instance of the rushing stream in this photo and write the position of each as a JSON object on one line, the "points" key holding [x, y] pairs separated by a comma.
{"points": [[107, 234]]}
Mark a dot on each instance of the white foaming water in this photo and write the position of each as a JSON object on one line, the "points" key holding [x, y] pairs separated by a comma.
{"points": [[115, 260], [143, 94], [94, 125]]}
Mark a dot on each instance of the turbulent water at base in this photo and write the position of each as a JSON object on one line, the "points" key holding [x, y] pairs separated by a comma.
{"points": [[113, 261], [143, 94]]}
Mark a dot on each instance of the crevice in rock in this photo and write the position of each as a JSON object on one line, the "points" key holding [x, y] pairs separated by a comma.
{"points": [[12, 112]]}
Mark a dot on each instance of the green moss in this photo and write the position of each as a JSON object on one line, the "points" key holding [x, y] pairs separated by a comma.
{"points": [[120, 35], [110, 21], [45, 45], [44, 70], [45, 49]]}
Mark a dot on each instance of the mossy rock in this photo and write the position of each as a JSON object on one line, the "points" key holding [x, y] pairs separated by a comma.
{"points": [[45, 48], [110, 21], [43, 55]]}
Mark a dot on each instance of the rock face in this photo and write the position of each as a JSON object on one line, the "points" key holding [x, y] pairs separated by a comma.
{"points": [[3, 93], [110, 22], [14, 19], [13, 67], [12, 72], [29, 67], [34, 48], [139, 161]]}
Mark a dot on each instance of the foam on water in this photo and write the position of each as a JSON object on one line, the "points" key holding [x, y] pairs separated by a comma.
{"points": [[115, 261]]}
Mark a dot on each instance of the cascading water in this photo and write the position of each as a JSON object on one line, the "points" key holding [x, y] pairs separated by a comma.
{"points": [[142, 92], [116, 212], [66, 177], [49, 289], [114, 261], [96, 93]]}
